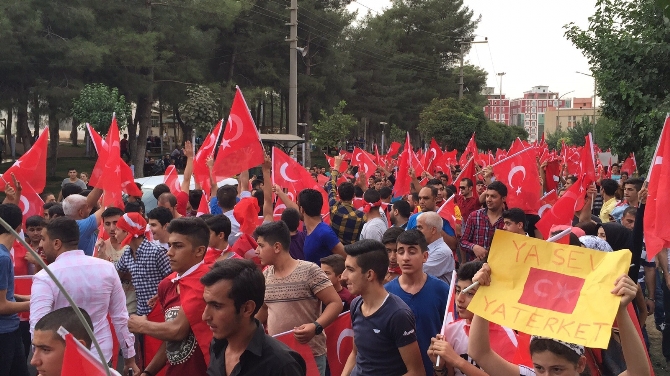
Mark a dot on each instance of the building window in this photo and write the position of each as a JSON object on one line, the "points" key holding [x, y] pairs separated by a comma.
{"points": [[533, 103], [502, 116], [527, 123], [532, 116], [532, 110], [532, 123]]}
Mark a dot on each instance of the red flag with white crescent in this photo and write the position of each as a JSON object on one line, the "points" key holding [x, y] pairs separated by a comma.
{"points": [[339, 342], [288, 338]]}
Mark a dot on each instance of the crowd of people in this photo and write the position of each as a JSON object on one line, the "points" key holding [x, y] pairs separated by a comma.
{"points": [[387, 260]]}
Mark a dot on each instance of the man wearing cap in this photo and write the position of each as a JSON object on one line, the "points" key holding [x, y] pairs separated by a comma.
{"points": [[146, 262]]}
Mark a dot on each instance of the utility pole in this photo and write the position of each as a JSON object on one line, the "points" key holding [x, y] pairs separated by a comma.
{"points": [[501, 74], [463, 44], [293, 71], [595, 93]]}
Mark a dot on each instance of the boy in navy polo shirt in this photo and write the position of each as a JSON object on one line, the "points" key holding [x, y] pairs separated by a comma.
{"points": [[425, 295], [384, 329], [12, 355]]}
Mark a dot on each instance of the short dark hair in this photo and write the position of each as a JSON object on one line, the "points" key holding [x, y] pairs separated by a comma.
{"points": [[206, 216], [161, 214], [468, 182], [358, 191], [515, 215], [160, 189], [435, 182], [192, 227], [403, 208], [371, 196], [334, 261], [220, 223], [538, 345], [247, 281], [226, 196], [111, 211], [413, 237], [291, 217], [498, 187], [468, 270], [275, 232], [311, 201], [35, 221], [385, 192], [391, 235], [572, 179], [169, 197], [12, 214], [589, 227], [68, 319], [632, 210], [433, 190], [370, 255], [480, 182], [194, 197], [66, 230], [415, 196], [256, 182], [56, 210], [71, 169], [346, 191], [609, 186], [44, 195], [71, 189], [636, 182], [133, 207], [47, 205]]}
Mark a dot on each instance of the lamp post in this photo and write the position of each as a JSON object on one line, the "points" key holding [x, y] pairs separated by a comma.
{"points": [[595, 93], [558, 115], [463, 44], [383, 124]]}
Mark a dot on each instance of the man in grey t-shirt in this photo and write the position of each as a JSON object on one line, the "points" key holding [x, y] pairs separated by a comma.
{"points": [[73, 179]]}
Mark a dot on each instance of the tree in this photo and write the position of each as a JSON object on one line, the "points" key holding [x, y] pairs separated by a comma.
{"points": [[199, 111], [627, 44], [331, 130], [451, 122], [95, 105], [396, 134]]}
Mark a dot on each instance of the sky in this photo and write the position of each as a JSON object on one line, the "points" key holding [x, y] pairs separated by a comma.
{"points": [[526, 42]]}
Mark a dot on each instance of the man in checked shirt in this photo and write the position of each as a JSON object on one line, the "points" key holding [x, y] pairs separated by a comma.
{"points": [[346, 221], [481, 224]]}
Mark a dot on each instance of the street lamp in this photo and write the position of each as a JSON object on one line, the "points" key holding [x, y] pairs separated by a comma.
{"points": [[558, 116], [383, 124], [595, 93], [463, 44]]}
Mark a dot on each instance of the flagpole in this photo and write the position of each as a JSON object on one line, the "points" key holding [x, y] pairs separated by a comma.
{"points": [[77, 311]]}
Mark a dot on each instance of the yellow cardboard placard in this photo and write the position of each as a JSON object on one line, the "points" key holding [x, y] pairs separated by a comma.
{"points": [[551, 289]]}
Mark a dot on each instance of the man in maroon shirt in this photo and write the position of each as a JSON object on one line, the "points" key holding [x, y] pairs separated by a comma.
{"points": [[333, 266], [466, 200]]}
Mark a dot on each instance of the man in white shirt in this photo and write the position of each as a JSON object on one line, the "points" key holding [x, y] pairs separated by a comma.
{"points": [[440, 262], [92, 283], [375, 224]]}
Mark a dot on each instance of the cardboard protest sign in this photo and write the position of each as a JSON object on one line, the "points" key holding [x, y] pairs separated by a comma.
{"points": [[550, 289]]}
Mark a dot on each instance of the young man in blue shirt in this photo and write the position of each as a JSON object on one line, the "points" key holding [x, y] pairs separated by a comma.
{"points": [[321, 240], [12, 355], [384, 328], [425, 295]]}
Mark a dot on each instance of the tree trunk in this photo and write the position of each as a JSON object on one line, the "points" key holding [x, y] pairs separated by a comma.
{"points": [[307, 109], [143, 117], [53, 140], [281, 113], [8, 131], [74, 132], [272, 112], [22, 130], [132, 135], [186, 129], [36, 116]]}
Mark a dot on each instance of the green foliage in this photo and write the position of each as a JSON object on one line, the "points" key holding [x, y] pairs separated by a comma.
{"points": [[95, 105], [627, 44], [397, 134], [331, 130], [602, 134], [199, 110]]}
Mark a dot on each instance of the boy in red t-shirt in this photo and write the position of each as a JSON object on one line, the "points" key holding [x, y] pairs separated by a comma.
{"points": [[219, 231], [333, 266]]}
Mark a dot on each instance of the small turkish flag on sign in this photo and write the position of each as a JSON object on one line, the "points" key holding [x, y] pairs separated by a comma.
{"points": [[550, 290]]}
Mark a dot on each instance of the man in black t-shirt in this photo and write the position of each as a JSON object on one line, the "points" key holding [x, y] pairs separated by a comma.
{"points": [[384, 328]]}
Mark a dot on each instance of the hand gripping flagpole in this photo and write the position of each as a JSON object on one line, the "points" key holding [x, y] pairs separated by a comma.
{"points": [[37, 257]]}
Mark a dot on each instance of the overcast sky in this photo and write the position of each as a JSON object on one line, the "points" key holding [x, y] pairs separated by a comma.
{"points": [[526, 42]]}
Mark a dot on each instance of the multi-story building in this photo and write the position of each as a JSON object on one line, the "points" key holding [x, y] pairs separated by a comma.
{"points": [[529, 111], [498, 107]]}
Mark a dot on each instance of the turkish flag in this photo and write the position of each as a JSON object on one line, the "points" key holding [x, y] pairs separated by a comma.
{"points": [[629, 165], [288, 173], [434, 154], [31, 168], [563, 211], [446, 211], [450, 309], [331, 162], [416, 164], [362, 160], [552, 173], [550, 290], [470, 149], [303, 349], [546, 202], [394, 148], [78, 360], [203, 208], [468, 171], [200, 169], [151, 344], [241, 147], [403, 180], [172, 180], [516, 147], [22, 286], [520, 175], [587, 163], [656, 213], [339, 342], [245, 247], [30, 203]]}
